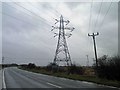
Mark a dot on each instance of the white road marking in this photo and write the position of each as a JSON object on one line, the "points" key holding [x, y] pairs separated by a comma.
{"points": [[87, 82], [108, 86], [4, 85], [100, 85], [54, 85], [63, 78]]}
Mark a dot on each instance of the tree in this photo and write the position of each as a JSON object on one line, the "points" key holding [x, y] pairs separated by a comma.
{"points": [[31, 65], [109, 67]]}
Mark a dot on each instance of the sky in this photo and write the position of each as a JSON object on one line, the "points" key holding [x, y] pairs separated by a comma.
{"points": [[27, 35]]}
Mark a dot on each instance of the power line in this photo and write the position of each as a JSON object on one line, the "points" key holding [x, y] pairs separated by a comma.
{"points": [[89, 27], [27, 9], [98, 15], [53, 10], [38, 9], [90, 16], [105, 15], [18, 9], [32, 13], [18, 18], [14, 17]]}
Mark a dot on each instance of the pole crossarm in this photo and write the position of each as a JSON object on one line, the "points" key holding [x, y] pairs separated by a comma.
{"points": [[93, 34]]}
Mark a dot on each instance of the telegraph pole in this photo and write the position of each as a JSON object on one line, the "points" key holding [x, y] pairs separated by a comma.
{"points": [[93, 35]]}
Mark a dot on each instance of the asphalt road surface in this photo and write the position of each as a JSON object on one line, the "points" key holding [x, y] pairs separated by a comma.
{"points": [[17, 78], [0, 79]]}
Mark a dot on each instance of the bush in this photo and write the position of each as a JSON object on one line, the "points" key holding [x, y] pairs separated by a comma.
{"points": [[31, 65], [52, 67], [76, 69], [108, 67]]}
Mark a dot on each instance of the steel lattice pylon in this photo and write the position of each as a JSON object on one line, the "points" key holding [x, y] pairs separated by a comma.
{"points": [[62, 53]]}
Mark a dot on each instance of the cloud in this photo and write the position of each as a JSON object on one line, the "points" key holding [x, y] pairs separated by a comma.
{"points": [[27, 36]]}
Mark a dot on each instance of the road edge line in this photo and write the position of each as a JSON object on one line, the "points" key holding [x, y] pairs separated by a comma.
{"points": [[54, 85], [4, 85]]}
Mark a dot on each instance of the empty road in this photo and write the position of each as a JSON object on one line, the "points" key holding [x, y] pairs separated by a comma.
{"points": [[17, 78]]}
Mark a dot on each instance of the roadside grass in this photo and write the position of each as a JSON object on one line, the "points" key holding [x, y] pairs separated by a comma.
{"points": [[93, 79]]}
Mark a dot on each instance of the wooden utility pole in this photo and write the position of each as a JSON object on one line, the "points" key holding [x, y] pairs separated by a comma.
{"points": [[93, 35]]}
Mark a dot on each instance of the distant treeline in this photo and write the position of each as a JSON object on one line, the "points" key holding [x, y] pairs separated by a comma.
{"points": [[9, 65], [55, 68]]}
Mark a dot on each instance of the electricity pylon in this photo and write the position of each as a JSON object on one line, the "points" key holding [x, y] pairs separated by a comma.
{"points": [[87, 63], [62, 53], [3, 60]]}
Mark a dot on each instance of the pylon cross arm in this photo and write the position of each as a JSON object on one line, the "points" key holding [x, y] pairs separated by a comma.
{"points": [[53, 27], [69, 28], [67, 22]]}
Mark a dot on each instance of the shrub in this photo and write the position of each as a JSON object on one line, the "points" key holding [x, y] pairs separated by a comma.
{"points": [[31, 65], [108, 67], [76, 69], [52, 67]]}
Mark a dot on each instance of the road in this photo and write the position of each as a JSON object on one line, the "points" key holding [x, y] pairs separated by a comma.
{"points": [[1, 79], [17, 78]]}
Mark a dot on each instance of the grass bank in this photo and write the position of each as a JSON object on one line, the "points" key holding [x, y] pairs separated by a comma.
{"points": [[93, 79]]}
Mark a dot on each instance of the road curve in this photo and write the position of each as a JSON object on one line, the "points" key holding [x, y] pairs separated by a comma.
{"points": [[17, 78]]}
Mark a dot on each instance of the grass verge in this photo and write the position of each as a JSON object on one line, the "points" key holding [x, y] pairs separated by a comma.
{"points": [[93, 79]]}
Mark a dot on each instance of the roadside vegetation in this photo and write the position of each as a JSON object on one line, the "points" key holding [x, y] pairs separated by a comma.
{"points": [[107, 73], [109, 68]]}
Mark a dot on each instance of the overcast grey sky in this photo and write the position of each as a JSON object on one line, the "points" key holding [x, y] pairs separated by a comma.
{"points": [[27, 36]]}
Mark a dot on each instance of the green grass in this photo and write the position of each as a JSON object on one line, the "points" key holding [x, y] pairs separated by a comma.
{"points": [[93, 79]]}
